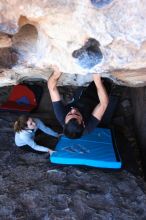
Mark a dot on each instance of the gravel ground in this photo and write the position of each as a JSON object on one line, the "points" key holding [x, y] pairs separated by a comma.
{"points": [[32, 188]]}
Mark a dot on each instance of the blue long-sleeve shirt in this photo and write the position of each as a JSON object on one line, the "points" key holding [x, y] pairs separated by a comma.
{"points": [[26, 137]]}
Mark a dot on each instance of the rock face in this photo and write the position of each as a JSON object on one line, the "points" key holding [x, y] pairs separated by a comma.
{"points": [[43, 32]]}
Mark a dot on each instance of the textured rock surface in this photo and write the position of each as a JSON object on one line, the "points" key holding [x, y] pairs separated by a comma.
{"points": [[47, 32], [5, 40]]}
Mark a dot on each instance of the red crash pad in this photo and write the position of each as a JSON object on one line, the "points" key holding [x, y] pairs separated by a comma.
{"points": [[20, 99]]}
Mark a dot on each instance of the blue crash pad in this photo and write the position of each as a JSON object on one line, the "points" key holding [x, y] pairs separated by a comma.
{"points": [[95, 149]]}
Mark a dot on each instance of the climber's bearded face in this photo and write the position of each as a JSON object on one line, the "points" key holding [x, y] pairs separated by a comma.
{"points": [[74, 114]]}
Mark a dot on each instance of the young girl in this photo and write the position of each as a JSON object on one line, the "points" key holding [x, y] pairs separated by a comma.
{"points": [[25, 128]]}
